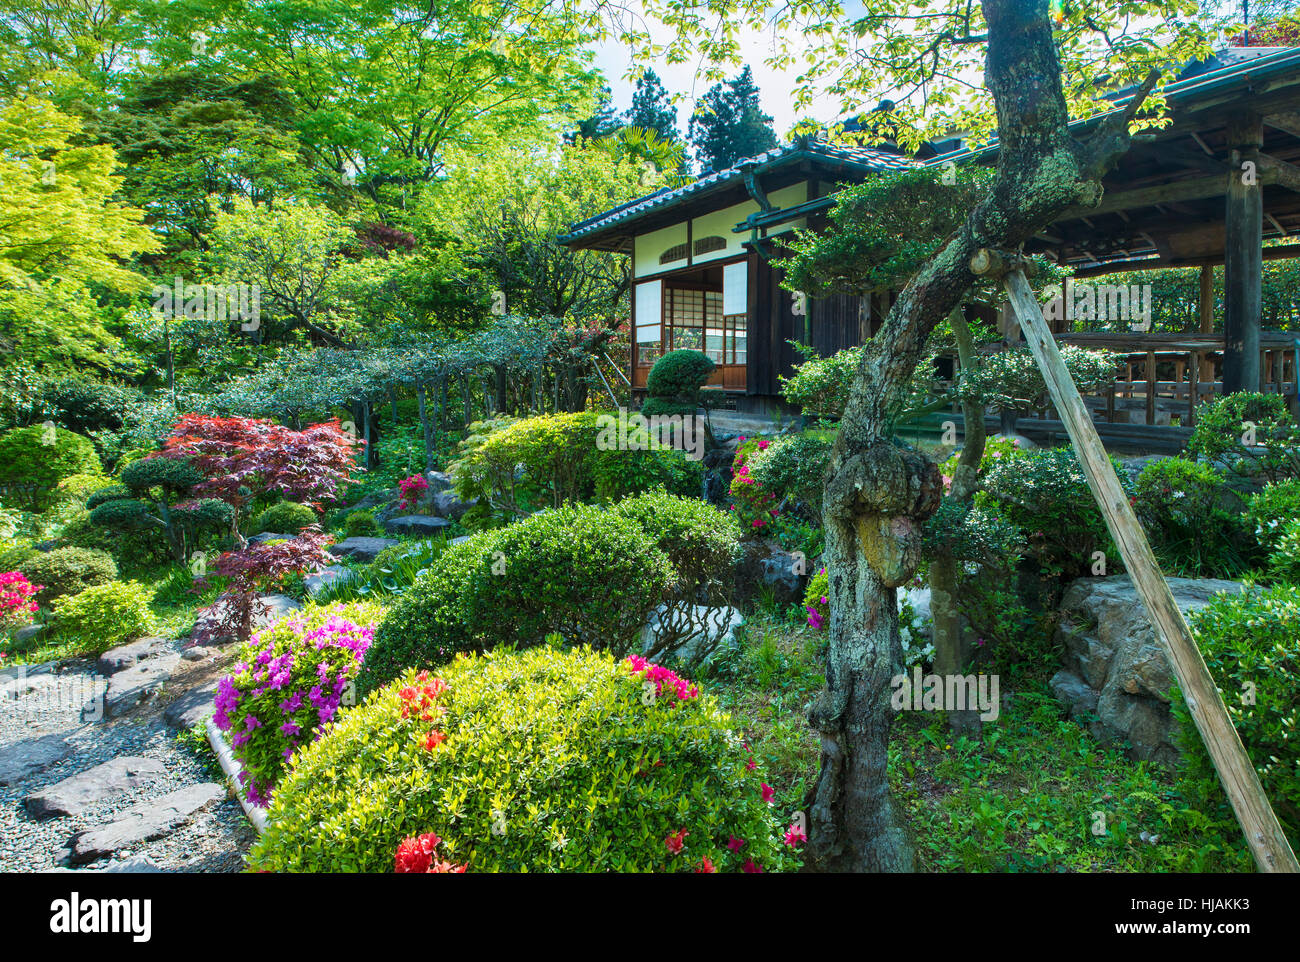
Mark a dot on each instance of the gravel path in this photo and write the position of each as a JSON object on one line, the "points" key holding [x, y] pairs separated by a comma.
{"points": [[49, 706]]}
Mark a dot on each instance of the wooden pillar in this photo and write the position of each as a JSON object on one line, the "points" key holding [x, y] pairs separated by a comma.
{"points": [[1243, 264]]}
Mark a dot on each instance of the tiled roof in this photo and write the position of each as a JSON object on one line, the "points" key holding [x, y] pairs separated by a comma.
{"points": [[867, 158]]}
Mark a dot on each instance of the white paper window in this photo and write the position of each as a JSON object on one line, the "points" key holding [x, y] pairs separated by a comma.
{"points": [[649, 310], [735, 288]]}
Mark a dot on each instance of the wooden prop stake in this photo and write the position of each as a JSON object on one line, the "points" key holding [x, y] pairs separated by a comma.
{"points": [[1263, 833]]}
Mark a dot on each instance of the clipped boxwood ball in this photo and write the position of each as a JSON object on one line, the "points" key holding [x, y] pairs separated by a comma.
{"points": [[540, 761], [67, 571], [114, 492], [679, 374], [167, 473], [285, 517]]}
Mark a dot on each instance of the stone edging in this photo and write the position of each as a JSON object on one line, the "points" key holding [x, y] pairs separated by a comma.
{"points": [[256, 814]]}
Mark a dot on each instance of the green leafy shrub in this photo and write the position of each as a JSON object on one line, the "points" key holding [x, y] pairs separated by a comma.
{"points": [[1224, 430], [702, 543], [361, 524], [1251, 643], [618, 474], [290, 679], [68, 571], [674, 383], [110, 492], [589, 575], [1284, 560], [1268, 511], [33, 460], [540, 761], [76, 488], [167, 474], [1180, 503], [554, 451], [1046, 495], [105, 615], [820, 385], [793, 467], [12, 556], [285, 517]]}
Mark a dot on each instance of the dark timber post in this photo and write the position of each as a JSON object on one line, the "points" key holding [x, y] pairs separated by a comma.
{"points": [[1243, 262]]}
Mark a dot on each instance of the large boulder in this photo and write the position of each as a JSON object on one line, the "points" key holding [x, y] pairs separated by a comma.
{"points": [[417, 525], [766, 567], [362, 549], [1116, 676]]}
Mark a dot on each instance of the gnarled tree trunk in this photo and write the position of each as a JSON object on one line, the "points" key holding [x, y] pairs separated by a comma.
{"points": [[877, 493]]}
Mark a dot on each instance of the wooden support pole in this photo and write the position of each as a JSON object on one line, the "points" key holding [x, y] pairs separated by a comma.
{"points": [[1243, 264], [1258, 822]]}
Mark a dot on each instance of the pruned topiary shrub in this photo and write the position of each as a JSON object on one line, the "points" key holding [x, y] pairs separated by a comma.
{"points": [[288, 682], [104, 616], [674, 383], [1251, 644], [33, 460], [541, 761], [66, 571], [589, 575], [286, 517], [702, 542]]}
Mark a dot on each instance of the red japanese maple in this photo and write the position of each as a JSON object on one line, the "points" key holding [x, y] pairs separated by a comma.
{"points": [[245, 458]]}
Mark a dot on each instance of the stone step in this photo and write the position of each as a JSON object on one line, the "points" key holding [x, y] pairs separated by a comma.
{"points": [[74, 795], [21, 759], [129, 687], [144, 822], [196, 705]]}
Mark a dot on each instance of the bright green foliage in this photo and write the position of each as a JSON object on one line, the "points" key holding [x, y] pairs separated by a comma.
{"points": [[361, 524], [112, 492], [67, 571], [702, 542], [1269, 511], [555, 452], [1251, 434], [169, 475], [13, 555], [1045, 494], [35, 459], [820, 385], [674, 382], [1284, 561], [618, 473], [793, 467], [567, 754], [1251, 644], [584, 573], [1181, 506], [76, 488], [105, 616], [288, 517]]}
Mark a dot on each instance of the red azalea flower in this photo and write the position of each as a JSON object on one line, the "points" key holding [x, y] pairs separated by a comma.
{"points": [[795, 835], [751, 869], [769, 792], [706, 867], [432, 740], [735, 844], [676, 840]]}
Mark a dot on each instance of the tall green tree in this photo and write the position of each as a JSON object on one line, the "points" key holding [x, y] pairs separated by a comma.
{"points": [[652, 107], [729, 124]]}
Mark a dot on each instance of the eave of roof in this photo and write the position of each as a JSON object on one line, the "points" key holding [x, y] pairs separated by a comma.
{"points": [[863, 159]]}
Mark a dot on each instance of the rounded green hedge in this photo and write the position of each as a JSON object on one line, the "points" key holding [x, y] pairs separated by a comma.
{"points": [[584, 573], [166, 473], [679, 375], [702, 542], [67, 571], [33, 460], [287, 517], [546, 761]]}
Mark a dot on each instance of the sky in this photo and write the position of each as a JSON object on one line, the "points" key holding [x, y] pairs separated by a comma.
{"points": [[614, 60]]}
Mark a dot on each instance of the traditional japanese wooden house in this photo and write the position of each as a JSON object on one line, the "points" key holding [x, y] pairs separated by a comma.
{"points": [[1218, 184]]}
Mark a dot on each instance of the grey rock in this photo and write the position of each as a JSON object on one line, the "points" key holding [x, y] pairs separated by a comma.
{"points": [[460, 539], [197, 653], [265, 536], [687, 633], [438, 481], [447, 505], [22, 684], [21, 759], [195, 706], [362, 549], [26, 633], [73, 795], [131, 686], [1115, 669], [417, 525], [125, 656], [144, 822], [205, 625], [377, 499]]}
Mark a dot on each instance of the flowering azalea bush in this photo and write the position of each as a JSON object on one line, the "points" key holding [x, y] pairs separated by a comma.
{"points": [[816, 601], [288, 683], [753, 503], [540, 760], [17, 600], [412, 488], [419, 854]]}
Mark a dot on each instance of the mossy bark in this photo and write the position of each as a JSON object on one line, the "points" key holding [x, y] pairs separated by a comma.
{"points": [[877, 493]]}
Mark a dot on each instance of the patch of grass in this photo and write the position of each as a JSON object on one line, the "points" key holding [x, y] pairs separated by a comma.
{"points": [[1024, 798], [195, 741]]}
